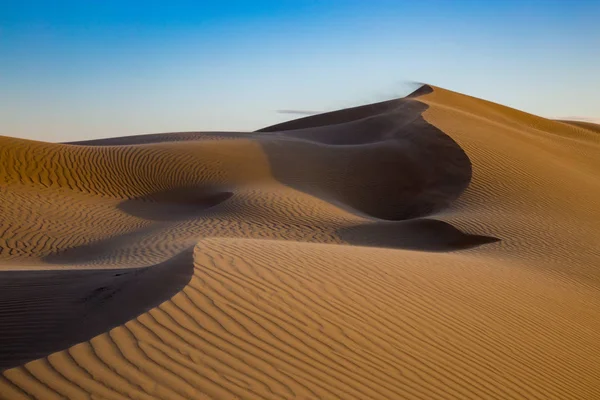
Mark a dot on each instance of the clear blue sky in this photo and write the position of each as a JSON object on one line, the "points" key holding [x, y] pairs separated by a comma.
{"points": [[75, 69]]}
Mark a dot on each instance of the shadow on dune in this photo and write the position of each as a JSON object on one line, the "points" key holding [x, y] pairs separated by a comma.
{"points": [[167, 209], [66, 307], [417, 234], [174, 204], [383, 160]]}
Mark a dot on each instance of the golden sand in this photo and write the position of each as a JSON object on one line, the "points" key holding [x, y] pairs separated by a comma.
{"points": [[437, 246]]}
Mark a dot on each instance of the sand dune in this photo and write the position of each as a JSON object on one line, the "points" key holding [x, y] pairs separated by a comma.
{"points": [[592, 126], [435, 246]]}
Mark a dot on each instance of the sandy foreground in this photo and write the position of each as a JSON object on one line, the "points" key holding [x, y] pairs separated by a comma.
{"points": [[436, 246]]}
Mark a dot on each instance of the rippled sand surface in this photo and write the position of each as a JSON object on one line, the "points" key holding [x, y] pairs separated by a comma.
{"points": [[436, 246]]}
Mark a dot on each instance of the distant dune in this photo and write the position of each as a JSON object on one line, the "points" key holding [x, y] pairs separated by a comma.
{"points": [[582, 119], [436, 246], [592, 125]]}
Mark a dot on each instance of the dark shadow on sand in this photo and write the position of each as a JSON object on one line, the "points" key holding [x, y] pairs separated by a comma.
{"points": [[174, 204], [47, 311], [417, 234], [383, 160]]}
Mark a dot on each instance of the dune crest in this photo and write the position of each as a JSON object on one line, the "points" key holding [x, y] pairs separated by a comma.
{"points": [[435, 246]]}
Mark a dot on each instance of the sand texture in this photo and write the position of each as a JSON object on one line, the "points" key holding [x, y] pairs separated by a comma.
{"points": [[436, 246]]}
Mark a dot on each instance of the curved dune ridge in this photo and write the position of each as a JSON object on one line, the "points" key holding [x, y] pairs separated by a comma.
{"points": [[431, 247]]}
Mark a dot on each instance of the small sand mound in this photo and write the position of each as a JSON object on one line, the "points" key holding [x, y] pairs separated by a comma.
{"points": [[180, 203]]}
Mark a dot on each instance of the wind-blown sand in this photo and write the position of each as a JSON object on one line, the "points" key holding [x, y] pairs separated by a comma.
{"points": [[432, 247]]}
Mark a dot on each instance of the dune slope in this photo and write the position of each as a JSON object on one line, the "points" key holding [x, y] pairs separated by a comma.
{"points": [[431, 247]]}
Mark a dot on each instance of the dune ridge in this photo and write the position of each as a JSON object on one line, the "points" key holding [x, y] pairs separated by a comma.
{"points": [[434, 246]]}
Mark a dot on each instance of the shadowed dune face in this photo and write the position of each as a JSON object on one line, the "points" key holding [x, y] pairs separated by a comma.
{"points": [[383, 159], [415, 234], [63, 308], [351, 255], [391, 166]]}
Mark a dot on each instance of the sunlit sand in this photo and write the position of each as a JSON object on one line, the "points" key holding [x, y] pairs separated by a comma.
{"points": [[436, 246]]}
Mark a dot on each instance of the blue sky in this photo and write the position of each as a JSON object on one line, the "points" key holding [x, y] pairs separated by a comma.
{"points": [[76, 69]]}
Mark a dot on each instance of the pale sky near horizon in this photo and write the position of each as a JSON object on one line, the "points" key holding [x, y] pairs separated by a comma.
{"points": [[80, 69]]}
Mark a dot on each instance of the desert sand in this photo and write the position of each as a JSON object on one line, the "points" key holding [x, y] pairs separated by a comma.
{"points": [[436, 246]]}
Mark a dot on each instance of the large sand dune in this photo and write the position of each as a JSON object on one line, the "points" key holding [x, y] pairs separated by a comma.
{"points": [[431, 247]]}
